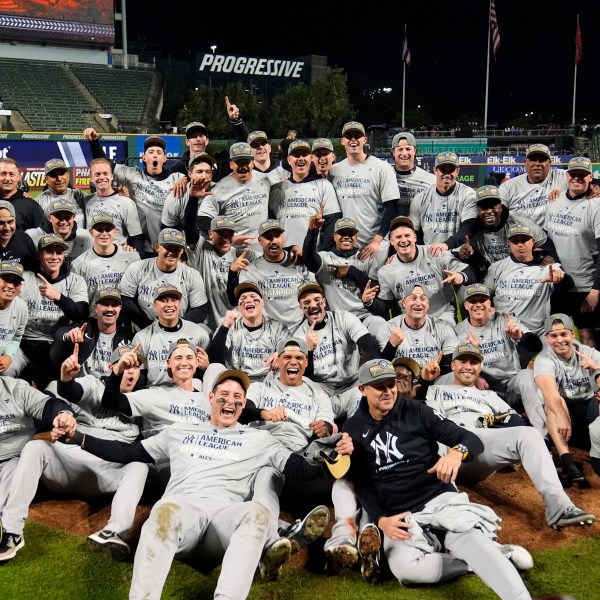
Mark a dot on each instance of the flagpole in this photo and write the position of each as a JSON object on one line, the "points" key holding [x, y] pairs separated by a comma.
{"points": [[575, 77], [487, 74], [403, 81]]}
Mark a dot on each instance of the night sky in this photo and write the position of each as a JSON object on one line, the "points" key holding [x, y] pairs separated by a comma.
{"points": [[533, 72]]}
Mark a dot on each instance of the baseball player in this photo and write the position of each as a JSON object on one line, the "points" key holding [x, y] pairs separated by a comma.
{"points": [[342, 275], [142, 278], [520, 285], [13, 318], [411, 178], [414, 265], [70, 470], [275, 272], [57, 179], [261, 150], [445, 212], [61, 221], [567, 374], [366, 190], [506, 437], [408, 489], [149, 187], [323, 156], [573, 224], [528, 194], [205, 507], [156, 339], [107, 201], [304, 194], [247, 340], [104, 263], [20, 405]]}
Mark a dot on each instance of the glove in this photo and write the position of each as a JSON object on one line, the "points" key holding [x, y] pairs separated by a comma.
{"points": [[490, 420], [322, 452]]}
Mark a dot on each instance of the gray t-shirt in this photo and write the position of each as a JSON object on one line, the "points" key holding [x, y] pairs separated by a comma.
{"points": [[47, 198], [13, 320], [410, 184], [121, 209]]}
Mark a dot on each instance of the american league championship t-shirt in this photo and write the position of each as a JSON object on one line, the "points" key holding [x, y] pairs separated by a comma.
{"points": [[123, 212]]}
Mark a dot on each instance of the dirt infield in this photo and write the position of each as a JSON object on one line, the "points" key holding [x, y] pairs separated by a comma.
{"points": [[511, 494]]}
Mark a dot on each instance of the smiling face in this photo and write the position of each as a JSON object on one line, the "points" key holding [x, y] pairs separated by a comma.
{"points": [[196, 141], [381, 397], [292, 365], [182, 365], [466, 369], [167, 256], [101, 176], [300, 161], [416, 305], [221, 240], [167, 309], [103, 234], [9, 178], [62, 222], [479, 309], [489, 212], [578, 182], [345, 239], [445, 176], [108, 311], [58, 181], [404, 156], [561, 342], [227, 401], [537, 167], [404, 240], [261, 150], [323, 159], [8, 225], [51, 259], [10, 286], [354, 143], [272, 244], [154, 158], [251, 305], [313, 305], [242, 170]]}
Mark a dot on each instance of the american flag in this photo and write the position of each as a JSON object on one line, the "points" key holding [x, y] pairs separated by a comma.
{"points": [[494, 28], [406, 52], [578, 45]]}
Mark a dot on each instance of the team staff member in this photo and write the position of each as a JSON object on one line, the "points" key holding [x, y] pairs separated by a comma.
{"points": [[205, 502], [509, 441], [142, 278], [15, 245], [405, 486]]}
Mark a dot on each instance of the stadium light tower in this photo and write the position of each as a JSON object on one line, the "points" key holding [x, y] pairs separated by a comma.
{"points": [[213, 48]]}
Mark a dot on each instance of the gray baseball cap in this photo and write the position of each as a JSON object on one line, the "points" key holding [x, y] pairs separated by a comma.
{"points": [[580, 163], [294, 343], [52, 240], [477, 289], [467, 350], [558, 321], [299, 145], [221, 223], [268, 225], [182, 343], [8, 267], [446, 158], [167, 290], [404, 135], [345, 223], [61, 206], [376, 371], [257, 135], [538, 149], [8, 206], [201, 157], [519, 229], [240, 151], [102, 218], [487, 192], [353, 126], [190, 127], [106, 293], [415, 290], [322, 144], [54, 164], [171, 237]]}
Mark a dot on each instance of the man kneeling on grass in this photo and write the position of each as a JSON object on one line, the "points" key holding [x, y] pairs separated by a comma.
{"points": [[204, 509]]}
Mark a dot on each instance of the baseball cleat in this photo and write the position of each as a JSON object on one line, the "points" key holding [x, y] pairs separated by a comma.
{"points": [[518, 556], [1, 530], [9, 546], [276, 554], [369, 547], [573, 516], [570, 474], [111, 544], [342, 556], [302, 533]]}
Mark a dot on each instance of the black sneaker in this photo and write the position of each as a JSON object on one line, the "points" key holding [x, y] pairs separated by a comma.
{"points": [[302, 533], [10, 545], [369, 547], [573, 516], [111, 544], [570, 474]]}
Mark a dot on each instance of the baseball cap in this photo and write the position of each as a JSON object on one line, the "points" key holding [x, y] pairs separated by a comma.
{"points": [[538, 149], [239, 376], [222, 224], [257, 135], [345, 223], [309, 286], [401, 221], [404, 135], [167, 290], [100, 218], [54, 164], [415, 290], [118, 352], [409, 363], [191, 127], [487, 192], [477, 289], [519, 229], [61, 206], [201, 157], [52, 240], [240, 151], [107, 292], [467, 350], [376, 371], [247, 286], [558, 321], [580, 163], [182, 343], [292, 342], [353, 126], [171, 237], [322, 143], [154, 140], [268, 225], [299, 145], [8, 267], [446, 158], [6, 205]]}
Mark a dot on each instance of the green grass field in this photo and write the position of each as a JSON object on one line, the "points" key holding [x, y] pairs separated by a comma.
{"points": [[61, 566]]}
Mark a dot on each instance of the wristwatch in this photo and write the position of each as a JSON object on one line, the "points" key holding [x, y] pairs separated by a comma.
{"points": [[462, 449]]}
